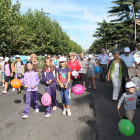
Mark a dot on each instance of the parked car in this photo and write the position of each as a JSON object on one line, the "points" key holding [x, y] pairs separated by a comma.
{"points": [[136, 55]]}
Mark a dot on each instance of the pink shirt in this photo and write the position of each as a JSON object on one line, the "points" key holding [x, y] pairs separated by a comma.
{"points": [[7, 70]]}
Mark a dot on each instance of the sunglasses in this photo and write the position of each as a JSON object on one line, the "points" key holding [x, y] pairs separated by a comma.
{"points": [[71, 55], [17, 57]]}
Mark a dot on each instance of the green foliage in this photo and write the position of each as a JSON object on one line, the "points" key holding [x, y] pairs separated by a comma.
{"points": [[32, 32]]}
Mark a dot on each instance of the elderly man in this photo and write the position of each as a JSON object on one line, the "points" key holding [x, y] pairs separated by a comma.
{"points": [[83, 72], [102, 63], [129, 60]]}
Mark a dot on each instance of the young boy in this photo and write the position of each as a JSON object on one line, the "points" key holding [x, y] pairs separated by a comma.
{"points": [[129, 98]]}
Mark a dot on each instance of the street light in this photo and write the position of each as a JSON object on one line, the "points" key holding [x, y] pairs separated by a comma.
{"points": [[134, 21]]}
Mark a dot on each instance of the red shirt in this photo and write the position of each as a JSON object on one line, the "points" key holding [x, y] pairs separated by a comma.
{"points": [[74, 65]]}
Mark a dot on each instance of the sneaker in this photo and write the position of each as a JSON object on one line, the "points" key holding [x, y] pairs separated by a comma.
{"points": [[25, 117], [4, 92], [89, 86], [54, 107], [95, 88], [69, 96], [64, 111], [18, 92], [13, 89], [47, 115], [68, 112], [36, 110], [3, 85]]}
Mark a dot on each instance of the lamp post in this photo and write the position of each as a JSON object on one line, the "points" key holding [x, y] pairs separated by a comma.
{"points": [[135, 22]]}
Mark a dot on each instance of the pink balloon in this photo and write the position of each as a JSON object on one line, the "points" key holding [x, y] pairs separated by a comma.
{"points": [[46, 99], [78, 89]]}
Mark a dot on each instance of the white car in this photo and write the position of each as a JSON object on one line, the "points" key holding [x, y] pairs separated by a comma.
{"points": [[136, 55]]}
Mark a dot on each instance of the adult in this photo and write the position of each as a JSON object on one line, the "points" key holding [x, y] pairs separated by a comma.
{"points": [[2, 70], [74, 65], [129, 60], [116, 71], [102, 63], [83, 71], [34, 62], [19, 71]]}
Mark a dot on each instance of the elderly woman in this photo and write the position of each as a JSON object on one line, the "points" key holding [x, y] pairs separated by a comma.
{"points": [[74, 65], [116, 71]]}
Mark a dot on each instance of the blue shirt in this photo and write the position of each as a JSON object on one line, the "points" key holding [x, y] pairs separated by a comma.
{"points": [[129, 60], [103, 59]]}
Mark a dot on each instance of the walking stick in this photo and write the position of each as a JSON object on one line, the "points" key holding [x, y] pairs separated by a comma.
{"points": [[119, 114]]}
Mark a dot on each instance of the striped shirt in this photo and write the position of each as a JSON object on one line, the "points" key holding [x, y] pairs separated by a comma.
{"points": [[129, 101]]}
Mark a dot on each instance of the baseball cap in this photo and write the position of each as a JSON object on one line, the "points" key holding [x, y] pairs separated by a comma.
{"points": [[62, 59], [6, 59], [18, 56], [129, 85], [1, 57], [90, 56], [126, 49]]}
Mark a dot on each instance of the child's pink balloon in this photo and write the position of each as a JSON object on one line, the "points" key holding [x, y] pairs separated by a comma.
{"points": [[78, 89], [46, 99]]}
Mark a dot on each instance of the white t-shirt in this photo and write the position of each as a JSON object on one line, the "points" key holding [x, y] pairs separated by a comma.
{"points": [[116, 70]]}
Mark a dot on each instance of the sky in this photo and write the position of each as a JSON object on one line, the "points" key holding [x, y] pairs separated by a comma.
{"points": [[76, 17]]}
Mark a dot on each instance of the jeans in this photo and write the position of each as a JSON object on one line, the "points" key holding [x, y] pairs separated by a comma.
{"points": [[2, 73], [65, 96]]}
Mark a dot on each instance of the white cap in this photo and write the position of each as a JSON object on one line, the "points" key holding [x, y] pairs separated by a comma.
{"points": [[90, 56], [62, 59], [129, 85], [110, 54], [6, 59], [18, 56], [126, 49], [13, 58], [1, 57], [28, 57]]}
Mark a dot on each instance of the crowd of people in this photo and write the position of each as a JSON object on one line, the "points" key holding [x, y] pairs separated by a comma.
{"points": [[67, 71]]}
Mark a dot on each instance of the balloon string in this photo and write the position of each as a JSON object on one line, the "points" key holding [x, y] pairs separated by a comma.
{"points": [[119, 114]]}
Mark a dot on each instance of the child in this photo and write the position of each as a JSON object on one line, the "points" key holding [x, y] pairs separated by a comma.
{"points": [[91, 73], [129, 98], [8, 71], [13, 63], [48, 76], [2, 70], [63, 78], [31, 81]]}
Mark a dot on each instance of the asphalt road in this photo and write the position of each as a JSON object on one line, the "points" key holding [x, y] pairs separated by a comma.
{"points": [[94, 117]]}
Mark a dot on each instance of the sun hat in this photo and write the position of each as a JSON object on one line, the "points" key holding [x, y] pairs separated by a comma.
{"points": [[62, 59], [90, 56], [17, 56], [129, 85], [126, 49], [6, 59]]}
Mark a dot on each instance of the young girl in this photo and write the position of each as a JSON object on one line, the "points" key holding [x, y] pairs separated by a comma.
{"points": [[91, 73], [8, 71], [19, 70], [63, 78], [31, 81], [13, 63], [48, 76], [34, 61]]}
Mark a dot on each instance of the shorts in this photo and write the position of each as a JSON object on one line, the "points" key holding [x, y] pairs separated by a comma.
{"points": [[91, 74], [2, 73], [130, 114], [83, 77], [7, 78]]}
